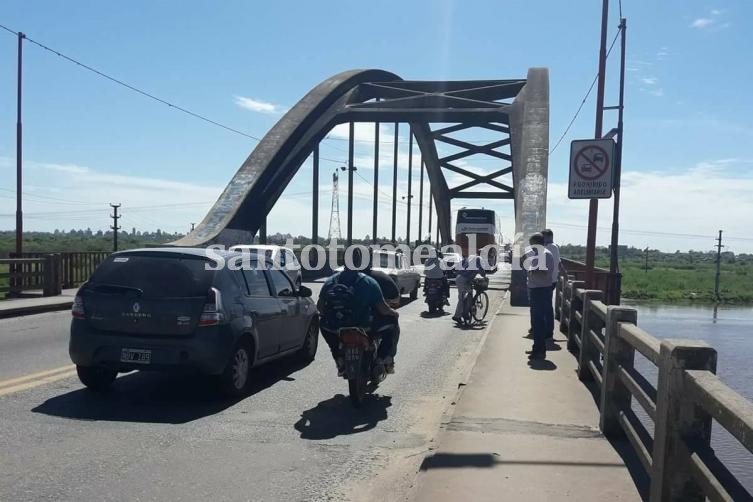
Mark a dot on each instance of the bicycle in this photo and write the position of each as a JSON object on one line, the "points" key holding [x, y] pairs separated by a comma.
{"points": [[476, 303]]}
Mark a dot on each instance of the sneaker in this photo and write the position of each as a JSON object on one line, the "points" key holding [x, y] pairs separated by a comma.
{"points": [[456, 319], [389, 368]]}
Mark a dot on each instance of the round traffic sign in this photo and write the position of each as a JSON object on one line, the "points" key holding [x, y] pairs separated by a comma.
{"points": [[591, 162]]}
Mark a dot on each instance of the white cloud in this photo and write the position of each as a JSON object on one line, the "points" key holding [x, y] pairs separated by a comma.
{"points": [[657, 92], [702, 22], [694, 203], [257, 105], [649, 80]]}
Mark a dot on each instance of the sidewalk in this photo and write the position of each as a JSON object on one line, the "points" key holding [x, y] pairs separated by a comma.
{"points": [[523, 433], [27, 306]]}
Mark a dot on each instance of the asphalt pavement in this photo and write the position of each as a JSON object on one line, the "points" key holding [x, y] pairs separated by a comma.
{"points": [[170, 437]]}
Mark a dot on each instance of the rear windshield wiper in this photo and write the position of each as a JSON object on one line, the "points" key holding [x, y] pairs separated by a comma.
{"points": [[115, 288]]}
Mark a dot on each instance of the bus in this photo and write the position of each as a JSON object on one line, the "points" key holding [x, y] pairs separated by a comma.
{"points": [[484, 224]]}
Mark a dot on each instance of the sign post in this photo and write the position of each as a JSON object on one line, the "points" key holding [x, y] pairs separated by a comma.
{"points": [[591, 169]]}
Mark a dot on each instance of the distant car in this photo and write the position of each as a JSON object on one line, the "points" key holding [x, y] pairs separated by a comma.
{"points": [[407, 278], [451, 260], [167, 309], [281, 256]]}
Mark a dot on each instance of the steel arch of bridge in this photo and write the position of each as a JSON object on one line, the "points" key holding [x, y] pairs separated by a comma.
{"points": [[499, 106]]}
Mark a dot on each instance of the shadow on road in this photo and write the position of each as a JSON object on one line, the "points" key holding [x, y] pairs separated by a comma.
{"points": [[337, 417], [541, 365], [487, 460], [427, 315], [166, 398]]}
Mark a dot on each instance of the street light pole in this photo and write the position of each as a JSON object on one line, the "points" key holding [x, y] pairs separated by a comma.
{"points": [[19, 155]]}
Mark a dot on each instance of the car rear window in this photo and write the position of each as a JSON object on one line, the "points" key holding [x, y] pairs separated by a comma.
{"points": [[157, 275]]}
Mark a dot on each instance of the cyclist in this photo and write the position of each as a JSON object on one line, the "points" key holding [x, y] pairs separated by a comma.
{"points": [[467, 270]]}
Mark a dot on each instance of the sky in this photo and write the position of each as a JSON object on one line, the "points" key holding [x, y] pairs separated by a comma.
{"points": [[88, 142]]}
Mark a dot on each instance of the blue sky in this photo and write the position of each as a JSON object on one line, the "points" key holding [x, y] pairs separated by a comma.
{"points": [[688, 129]]}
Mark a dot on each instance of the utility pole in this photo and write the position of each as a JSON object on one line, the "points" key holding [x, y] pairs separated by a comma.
{"points": [[645, 252], [410, 180], [115, 227], [718, 266], [614, 256], [394, 186], [593, 208], [19, 155]]}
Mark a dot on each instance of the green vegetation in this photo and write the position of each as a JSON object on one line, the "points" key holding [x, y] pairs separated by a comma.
{"points": [[678, 276], [670, 277]]}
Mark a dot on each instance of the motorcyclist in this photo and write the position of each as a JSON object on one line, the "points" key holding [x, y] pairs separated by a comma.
{"points": [[433, 269], [391, 294], [364, 303]]}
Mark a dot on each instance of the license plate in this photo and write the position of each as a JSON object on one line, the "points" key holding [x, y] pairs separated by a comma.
{"points": [[352, 354], [138, 356]]}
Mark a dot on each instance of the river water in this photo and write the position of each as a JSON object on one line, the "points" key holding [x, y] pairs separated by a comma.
{"points": [[729, 330]]}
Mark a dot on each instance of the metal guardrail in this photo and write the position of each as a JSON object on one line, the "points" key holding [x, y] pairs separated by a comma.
{"points": [[688, 398]]}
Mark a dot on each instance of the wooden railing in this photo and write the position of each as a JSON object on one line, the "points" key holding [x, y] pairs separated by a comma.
{"points": [[688, 397], [75, 267], [23, 275], [46, 273]]}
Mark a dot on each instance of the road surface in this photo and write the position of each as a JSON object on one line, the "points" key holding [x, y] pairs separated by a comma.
{"points": [[169, 437]]}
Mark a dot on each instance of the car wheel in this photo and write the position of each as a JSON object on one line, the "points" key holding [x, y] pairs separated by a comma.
{"points": [[96, 378], [307, 353], [414, 292], [236, 375]]}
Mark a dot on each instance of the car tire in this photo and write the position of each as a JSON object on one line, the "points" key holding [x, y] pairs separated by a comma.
{"points": [[96, 378], [235, 377], [307, 353], [414, 292]]}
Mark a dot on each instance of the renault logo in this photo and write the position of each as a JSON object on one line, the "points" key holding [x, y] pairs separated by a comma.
{"points": [[136, 307]]}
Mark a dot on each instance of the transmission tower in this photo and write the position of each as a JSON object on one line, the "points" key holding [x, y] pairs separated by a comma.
{"points": [[334, 215]]}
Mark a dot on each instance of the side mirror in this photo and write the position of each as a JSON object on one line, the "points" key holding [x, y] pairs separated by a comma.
{"points": [[304, 292]]}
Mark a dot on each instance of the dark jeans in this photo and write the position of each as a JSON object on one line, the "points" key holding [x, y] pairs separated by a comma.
{"points": [[390, 337], [541, 303]]}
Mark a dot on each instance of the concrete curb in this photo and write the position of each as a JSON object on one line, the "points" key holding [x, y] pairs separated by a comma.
{"points": [[6, 313]]}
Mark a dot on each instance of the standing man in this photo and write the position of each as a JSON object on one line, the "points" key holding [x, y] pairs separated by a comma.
{"points": [[466, 271], [538, 264], [555, 250]]}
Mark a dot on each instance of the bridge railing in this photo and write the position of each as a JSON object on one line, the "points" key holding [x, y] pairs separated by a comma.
{"points": [[21, 276], [688, 397]]}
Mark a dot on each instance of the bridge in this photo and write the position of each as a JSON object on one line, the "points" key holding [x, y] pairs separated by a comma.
{"points": [[464, 416]]}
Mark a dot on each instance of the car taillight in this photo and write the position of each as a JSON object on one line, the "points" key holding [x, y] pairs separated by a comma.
{"points": [[354, 338], [77, 310], [212, 314]]}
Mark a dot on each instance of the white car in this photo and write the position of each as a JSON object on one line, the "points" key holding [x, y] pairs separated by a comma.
{"points": [[281, 256], [407, 278], [395, 265]]}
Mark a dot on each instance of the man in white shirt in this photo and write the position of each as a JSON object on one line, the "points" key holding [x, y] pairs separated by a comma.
{"points": [[555, 250]]}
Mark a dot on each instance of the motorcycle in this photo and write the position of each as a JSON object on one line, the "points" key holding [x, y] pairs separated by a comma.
{"points": [[435, 295], [362, 370]]}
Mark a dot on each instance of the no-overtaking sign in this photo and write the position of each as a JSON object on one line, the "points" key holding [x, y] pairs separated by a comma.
{"points": [[591, 168]]}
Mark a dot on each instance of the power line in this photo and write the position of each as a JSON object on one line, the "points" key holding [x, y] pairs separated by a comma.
{"points": [[132, 87], [585, 98]]}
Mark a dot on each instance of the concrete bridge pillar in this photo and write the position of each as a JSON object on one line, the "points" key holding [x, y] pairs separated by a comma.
{"points": [[529, 132]]}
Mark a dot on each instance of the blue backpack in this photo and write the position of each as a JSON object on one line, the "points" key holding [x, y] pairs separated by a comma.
{"points": [[339, 303]]}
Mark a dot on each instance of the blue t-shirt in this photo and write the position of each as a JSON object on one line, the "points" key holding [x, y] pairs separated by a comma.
{"points": [[366, 290]]}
